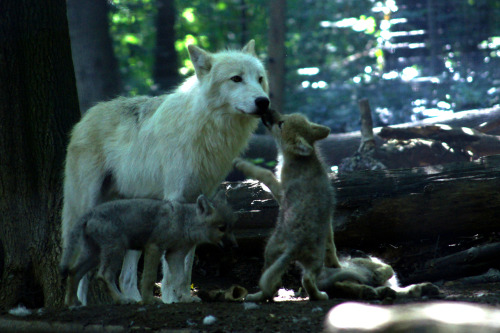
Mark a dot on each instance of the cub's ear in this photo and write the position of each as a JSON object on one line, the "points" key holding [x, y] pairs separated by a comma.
{"points": [[302, 147], [319, 131], [201, 59], [203, 206], [250, 48]]}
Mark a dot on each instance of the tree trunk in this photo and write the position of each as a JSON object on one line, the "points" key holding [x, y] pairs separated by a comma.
{"points": [[165, 69], [37, 109], [276, 49], [96, 67]]}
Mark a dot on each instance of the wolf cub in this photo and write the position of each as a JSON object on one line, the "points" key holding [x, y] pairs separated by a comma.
{"points": [[103, 235], [304, 229]]}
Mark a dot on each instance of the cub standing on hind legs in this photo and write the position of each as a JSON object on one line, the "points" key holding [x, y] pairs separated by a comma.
{"points": [[174, 147], [304, 230], [103, 235]]}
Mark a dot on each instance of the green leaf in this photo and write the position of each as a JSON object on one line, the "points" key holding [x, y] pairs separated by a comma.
{"points": [[131, 39]]}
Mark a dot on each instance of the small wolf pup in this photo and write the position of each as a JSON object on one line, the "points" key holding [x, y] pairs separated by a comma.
{"points": [[304, 230], [103, 235]]}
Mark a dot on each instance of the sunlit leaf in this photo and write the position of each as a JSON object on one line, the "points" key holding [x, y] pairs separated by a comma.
{"points": [[221, 6], [131, 39], [188, 15]]}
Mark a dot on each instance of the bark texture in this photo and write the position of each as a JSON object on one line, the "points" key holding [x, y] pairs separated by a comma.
{"points": [[38, 105], [96, 67]]}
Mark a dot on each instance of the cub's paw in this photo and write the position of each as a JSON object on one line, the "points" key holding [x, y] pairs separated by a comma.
{"points": [[320, 296], [237, 162], [257, 297]]}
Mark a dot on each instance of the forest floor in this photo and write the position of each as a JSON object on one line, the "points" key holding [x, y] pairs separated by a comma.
{"points": [[289, 313]]}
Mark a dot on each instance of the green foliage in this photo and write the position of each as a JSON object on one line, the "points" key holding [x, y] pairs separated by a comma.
{"points": [[337, 52], [215, 25], [132, 27]]}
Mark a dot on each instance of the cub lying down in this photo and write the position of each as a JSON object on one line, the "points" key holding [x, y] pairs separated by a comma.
{"points": [[103, 235]]}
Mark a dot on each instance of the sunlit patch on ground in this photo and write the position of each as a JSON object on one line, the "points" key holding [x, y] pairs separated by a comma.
{"points": [[286, 295]]}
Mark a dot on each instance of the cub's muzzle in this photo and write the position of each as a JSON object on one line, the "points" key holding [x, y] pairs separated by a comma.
{"points": [[270, 117]]}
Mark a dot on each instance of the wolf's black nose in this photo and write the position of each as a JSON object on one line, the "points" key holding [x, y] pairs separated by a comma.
{"points": [[262, 103]]}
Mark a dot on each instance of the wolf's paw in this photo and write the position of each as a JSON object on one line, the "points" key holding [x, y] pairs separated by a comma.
{"points": [[126, 300], [189, 299]]}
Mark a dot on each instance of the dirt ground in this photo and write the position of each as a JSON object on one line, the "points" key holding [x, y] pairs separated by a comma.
{"points": [[291, 313]]}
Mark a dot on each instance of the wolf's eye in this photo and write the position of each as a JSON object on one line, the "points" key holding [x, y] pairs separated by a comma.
{"points": [[222, 228], [261, 79], [237, 78], [280, 124]]}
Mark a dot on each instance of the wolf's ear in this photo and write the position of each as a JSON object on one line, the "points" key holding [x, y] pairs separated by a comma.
{"points": [[319, 131], [220, 196], [201, 59], [203, 206], [250, 48], [302, 147]]}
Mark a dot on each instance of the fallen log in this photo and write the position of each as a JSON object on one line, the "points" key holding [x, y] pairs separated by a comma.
{"points": [[474, 261], [390, 206], [339, 146]]}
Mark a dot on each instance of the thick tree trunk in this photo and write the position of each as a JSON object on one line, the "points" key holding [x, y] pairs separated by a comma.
{"points": [[165, 69], [37, 109], [96, 67]]}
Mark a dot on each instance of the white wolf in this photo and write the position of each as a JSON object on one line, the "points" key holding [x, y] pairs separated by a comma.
{"points": [[174, 147]]}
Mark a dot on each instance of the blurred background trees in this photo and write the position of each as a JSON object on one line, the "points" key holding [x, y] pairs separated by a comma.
{"points": [[411, 58]]}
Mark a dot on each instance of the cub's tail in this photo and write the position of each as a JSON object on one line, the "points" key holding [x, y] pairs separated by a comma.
{"points": [[71, 250], [270, 280]]}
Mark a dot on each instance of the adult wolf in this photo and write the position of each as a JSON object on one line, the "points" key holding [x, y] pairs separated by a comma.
{"points": [[174, 147]]}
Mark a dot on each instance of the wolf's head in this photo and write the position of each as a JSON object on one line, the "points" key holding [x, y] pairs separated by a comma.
{"points": [[217, 217], [233, 80], [293, 133]]}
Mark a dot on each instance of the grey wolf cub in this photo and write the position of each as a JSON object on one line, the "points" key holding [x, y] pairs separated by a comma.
{"points": [[171, 147], [304, 228], [103, 235]]}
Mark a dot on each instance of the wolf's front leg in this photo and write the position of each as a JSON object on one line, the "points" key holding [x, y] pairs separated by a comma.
{"points": [[262, 175], [175, 286], [128, 275]]}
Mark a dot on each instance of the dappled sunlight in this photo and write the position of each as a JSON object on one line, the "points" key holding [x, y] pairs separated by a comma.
{"points": [[449, 315], [455, 313], [287, 295], [352, 315]]}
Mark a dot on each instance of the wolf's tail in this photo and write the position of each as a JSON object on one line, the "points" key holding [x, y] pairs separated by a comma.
{"points": [[70, 250], [270, 280]]}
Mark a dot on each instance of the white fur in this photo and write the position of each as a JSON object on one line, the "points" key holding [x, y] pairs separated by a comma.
{"points": [[175, 146]]}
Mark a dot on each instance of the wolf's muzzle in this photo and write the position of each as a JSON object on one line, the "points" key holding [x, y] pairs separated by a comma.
{"points": [[262, 104]]}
